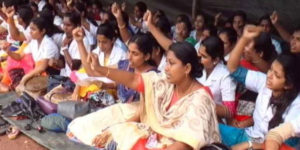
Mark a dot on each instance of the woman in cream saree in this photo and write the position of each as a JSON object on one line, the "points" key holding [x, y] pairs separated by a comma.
{"points": [[174, 111]]}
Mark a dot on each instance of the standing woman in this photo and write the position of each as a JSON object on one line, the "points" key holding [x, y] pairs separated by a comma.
{"points": [[199, 24], [278, 99], [41, 47], [175, 111], [217, 77]]}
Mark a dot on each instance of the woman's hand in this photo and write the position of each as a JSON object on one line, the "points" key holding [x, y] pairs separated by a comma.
{"points": [[251, 31], [93, 60], [78, 34], [274, 17], [66, 41], [4, 45], [116, 10], [148, 19], [10, 12]]}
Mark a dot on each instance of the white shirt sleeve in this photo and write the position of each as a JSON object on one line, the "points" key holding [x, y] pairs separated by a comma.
{"points": [[228, 87], [28, 48], [50, 51], [255, 80]]}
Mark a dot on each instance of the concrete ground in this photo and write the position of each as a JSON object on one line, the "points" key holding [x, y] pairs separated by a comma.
{"points": [[22, 142]]}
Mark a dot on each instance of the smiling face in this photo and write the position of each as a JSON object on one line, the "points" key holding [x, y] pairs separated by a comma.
{"points": [[181, 31], [105, 44], [175, 70]]}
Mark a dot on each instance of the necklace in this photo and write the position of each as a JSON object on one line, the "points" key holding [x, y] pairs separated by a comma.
{"points": [[184, 93]]}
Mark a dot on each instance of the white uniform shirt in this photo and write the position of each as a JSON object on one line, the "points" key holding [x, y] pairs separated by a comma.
{"points": [[256, 81], [74, 53], [117, 54], [162, 64], [46, 50], [220, 83]]}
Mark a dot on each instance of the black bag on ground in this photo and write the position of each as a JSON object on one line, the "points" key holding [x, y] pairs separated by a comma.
{"points": [[56, 80]]}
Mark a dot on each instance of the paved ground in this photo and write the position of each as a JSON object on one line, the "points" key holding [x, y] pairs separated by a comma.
{"points": [[22, 142]]}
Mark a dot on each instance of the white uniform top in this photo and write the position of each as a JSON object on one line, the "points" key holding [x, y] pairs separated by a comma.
{"points": [[256, 81], [46, 50], [296, 125], [117, 54], [162, 64], [74, 53], [220, 83], [41, 5], [21, 29]]}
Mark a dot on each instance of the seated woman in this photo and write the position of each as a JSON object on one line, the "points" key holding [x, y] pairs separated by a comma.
{"points": [[175, 111], [139, 61], [278, 97], [217, 77], [110, 52], [278, 135], [161, 22], [41, 47], [70, 57]]}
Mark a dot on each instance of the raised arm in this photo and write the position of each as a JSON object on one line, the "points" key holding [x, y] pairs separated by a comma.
{"points": [[117, 12], [13, 30], [163, 40], [281, 30], [250, 32], [129, 79], [78, 35]]}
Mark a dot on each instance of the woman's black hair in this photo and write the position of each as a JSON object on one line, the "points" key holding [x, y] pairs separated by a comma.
{"points": [[81, 8], [26, 14], [242, 14], [263, 43], [74, 17], [107, 30], [214, 47], [215, 146], [164, 25], [33, 4], [48, 17], [289, 64], [211, 28], [187, 54], [186, 20], [142, 6], [231, 34], [41, 23], [145, 43]]}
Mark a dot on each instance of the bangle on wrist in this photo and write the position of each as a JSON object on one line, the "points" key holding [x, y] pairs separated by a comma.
{"points": [[122, 26], [64, 48]]}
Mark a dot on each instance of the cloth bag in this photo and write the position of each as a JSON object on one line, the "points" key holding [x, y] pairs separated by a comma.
{"points": [[47, 106], [73, 109]]}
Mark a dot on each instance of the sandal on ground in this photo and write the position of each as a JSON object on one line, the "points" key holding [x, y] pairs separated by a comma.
{"points": [[12, 132]]}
